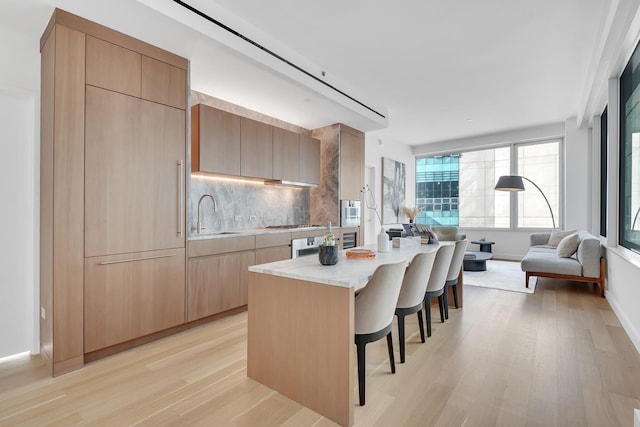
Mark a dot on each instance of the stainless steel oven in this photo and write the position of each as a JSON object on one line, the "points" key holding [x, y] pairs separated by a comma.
{"points": [[305, 246], [349, 213]]}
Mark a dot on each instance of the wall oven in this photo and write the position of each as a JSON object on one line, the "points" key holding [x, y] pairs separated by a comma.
{"points": [[349, 213], [305, 246]]}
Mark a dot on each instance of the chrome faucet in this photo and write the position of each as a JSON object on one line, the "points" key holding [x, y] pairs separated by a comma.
{"points": [[199, 226]]}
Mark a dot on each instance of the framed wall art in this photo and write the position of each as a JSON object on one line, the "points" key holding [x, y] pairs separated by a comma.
{"points": [[393, 190]]}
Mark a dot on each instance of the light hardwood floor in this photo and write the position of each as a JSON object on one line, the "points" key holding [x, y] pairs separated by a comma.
{"points": [[557, 357]]}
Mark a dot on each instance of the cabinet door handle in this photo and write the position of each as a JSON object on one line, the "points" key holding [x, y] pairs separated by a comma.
{"points": [[135, 259], [180, 189]]}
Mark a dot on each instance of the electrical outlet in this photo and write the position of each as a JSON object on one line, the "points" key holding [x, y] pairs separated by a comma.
{"points": [[238, 218], [253, 218], [43, 313]]}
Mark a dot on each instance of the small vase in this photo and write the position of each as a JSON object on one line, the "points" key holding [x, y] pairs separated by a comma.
{"points": [[383, 241], [328, 255]]}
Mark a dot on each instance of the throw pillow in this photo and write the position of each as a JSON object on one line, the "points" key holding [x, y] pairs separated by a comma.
{"points": [[568, 246], [557, 236]]}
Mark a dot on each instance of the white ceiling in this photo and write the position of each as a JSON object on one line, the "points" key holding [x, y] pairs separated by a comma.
{"points": [[436, 70]]}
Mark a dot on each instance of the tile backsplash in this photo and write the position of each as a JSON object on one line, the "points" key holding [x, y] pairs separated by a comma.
{"points": [[245, 205]]}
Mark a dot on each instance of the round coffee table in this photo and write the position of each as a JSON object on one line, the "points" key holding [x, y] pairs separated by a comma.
{"points": [[479, 263], [485, 245]]}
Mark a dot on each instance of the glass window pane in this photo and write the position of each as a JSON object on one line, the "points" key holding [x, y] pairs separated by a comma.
{"points": [[629, 209], [479, 205], [539, 163], [603, 172]]}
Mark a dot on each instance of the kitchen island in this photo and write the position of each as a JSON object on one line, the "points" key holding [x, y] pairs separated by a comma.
{"points": [[301, 327]]}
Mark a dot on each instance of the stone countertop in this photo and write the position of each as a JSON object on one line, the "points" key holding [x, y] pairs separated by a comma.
{"points": [[253, 232], [348, 273]]}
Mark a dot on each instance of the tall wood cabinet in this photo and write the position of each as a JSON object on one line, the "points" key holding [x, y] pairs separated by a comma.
{"points": [[342, 154], [113, 147]]}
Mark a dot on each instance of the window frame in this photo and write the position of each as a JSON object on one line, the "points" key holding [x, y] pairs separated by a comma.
{"points": [[604, 147], [513, 201], [634, 62]]}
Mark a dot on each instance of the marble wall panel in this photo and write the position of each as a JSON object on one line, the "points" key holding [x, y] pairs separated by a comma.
{"points": [[245, 205]]}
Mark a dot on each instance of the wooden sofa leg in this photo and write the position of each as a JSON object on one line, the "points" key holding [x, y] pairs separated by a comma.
{"points": [[526, 279]]}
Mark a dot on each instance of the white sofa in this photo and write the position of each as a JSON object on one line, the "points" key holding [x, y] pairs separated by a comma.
{"points": [[587, 264]]}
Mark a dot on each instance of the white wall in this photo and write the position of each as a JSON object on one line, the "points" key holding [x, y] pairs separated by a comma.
{"points": [[375, 149], [19, 148], [577, 165]]}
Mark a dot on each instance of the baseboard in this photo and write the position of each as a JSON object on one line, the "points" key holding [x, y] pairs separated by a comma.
{"points": [[627, 325]]}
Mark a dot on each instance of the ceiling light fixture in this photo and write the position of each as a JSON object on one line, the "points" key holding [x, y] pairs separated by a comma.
{"points": [[272, 53]]}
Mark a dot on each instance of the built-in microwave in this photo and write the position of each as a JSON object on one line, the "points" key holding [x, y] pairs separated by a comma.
{"points": [[349, 213]]}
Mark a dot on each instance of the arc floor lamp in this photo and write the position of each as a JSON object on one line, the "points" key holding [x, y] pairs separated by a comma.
{"points": [[514, 183]]}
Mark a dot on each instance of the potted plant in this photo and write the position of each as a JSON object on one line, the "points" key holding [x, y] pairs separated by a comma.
{"points": [[328, 250]]}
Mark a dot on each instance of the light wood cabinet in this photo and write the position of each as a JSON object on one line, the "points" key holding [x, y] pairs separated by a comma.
{"points": [[163, 83], [215, 141], [228, 144], [256, 149], [309, 160], [273, 247], [277, 253], [133, 175], [113, 67], [112, 186], [217, 283], [286, 153], [351, 164], [62, 199], [342, 154], [132, 295]]}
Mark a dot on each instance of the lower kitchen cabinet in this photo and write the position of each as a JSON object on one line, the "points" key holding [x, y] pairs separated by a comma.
{"points": [[217, 283], [132, 295], [277, 253], [273, 247]]}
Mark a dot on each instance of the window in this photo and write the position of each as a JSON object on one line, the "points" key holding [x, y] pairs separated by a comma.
{"points": [[603, 172], [629, 224], [465, 183], [480, 205], [436, 187], [541, 164]]}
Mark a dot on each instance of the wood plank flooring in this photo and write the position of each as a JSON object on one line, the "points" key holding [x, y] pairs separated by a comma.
{"points": [[558, 357]]}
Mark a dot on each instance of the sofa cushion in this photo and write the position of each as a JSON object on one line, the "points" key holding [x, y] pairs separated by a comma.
{"points": [[545, 260], [557, 235], [568, 246]]}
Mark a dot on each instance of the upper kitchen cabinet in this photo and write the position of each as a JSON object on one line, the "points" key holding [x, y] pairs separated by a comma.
{"points": [[229, 144], [164, 83], [215, 141], [256, 149], [351, 163], [286, 149], [123, 70], [342, 158], [112, 67], [309, 159]]}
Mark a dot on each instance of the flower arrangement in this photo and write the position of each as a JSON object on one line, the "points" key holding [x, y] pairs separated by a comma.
{"points": [[411, 212]]}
